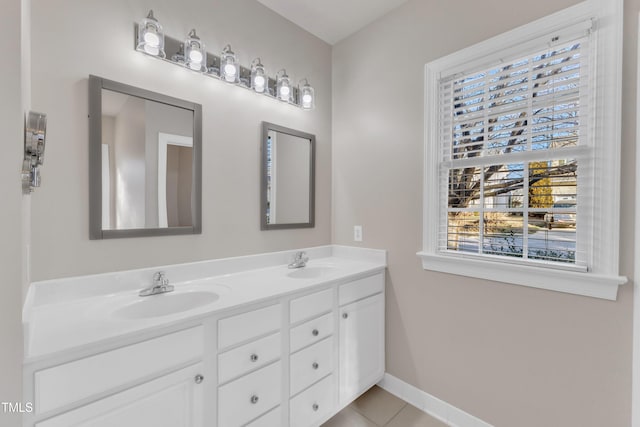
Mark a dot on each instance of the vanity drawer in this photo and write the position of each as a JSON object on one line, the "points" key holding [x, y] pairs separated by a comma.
{"points": [[361, 288], [311, 364], [272, 418], [313, 405], [243, 327], [80, 379], [312, 331], [311, 305], [246, 398], [247, 357]]}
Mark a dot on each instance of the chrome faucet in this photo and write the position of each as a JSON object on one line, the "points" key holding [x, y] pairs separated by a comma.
{"points": [[160, 285], [300, 260]]}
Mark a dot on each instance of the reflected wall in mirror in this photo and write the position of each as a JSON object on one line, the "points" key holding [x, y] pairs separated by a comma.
{"points": [[145, 162], [288, 178]]}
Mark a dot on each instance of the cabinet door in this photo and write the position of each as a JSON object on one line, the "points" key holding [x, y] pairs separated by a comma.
{"points": [[174, 400], [361, 346]]}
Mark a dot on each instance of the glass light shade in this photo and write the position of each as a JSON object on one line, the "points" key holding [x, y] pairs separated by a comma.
{"points": [[307, 97], [283, 87], [194, 54], [151, 36], [258, 77], [228, 66]]}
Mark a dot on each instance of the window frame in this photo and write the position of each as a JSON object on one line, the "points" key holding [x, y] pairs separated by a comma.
{"points": [[602, 278]]}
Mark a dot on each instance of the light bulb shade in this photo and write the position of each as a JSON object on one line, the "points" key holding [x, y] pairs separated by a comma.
{"points": [[229, 69], [284, 91], [151, 36], [307, 97], [258, 77], [195, 56]]}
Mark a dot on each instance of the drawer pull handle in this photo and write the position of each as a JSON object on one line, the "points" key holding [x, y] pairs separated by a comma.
{"points": [[315, 407], [254, 399], [254, 357], [199, 378], [345, 315], [315, 332], [315, 365]]}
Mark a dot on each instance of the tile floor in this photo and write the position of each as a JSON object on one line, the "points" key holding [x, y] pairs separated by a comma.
{"points": [[378, 408]]}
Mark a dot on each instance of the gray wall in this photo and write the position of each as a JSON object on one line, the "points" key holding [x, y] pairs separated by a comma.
{"points": [[129, 158], [231, 126], [511, 355], [12, 102]]}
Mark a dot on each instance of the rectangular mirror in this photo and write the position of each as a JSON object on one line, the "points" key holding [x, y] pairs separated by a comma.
{"points": [[288, 178], [145, 163]]}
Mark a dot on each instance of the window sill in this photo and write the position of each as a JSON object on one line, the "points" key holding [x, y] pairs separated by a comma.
{"points": [[572, 282]]}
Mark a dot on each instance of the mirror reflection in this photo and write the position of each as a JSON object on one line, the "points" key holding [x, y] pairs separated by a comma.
{"points": [[147, 152], [148, 161], [288, 178]]}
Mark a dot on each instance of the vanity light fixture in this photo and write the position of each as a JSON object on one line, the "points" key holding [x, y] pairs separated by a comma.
{"points": [[229, 65], [178, 57], [190, 53], [283, 86], [307, 96], [194, 53], [150, 36], [258, 76]]}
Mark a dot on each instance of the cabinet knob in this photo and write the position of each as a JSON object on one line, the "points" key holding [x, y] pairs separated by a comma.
{"points": [[345, 315], [199, 378], [254, 357], [315, 407], [254, 399], [315, 365], [315, 332]]}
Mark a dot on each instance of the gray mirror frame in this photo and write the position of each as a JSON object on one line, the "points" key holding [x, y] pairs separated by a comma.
{"points": [[96, 84], [266, 127]]}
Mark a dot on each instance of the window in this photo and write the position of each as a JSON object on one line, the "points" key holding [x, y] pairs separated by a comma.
{"points": [[522, 156]]}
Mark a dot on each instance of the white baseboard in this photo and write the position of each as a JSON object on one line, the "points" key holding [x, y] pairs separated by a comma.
{"points": [[433, 406]]}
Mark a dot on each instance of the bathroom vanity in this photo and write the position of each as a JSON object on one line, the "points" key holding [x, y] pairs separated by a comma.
{"points": [[240, 342]]}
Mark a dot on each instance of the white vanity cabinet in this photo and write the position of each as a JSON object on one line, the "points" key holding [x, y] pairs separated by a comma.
{"points": [[362, 360], [293, 359], [298, 362], [155, 382], [172, 400]]}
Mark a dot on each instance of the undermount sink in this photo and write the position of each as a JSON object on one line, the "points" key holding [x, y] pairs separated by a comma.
{"points": [[310, 272], [165, 304]]}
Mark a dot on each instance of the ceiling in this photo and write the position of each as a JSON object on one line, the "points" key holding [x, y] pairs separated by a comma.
{"points": [[332, 20]]}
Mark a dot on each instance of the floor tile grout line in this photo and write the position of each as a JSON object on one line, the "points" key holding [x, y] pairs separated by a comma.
{"points": [[353, 408], [396, 415], [365, 417]]}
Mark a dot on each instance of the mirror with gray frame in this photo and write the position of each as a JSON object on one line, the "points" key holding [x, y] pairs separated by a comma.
{"points": [[288, 178], [145, 162]]}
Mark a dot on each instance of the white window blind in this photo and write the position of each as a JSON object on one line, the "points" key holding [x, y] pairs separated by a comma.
{"points": [[516, 169]]}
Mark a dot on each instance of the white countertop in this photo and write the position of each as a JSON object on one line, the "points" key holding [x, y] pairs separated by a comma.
{"points": [[73, 314]]}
